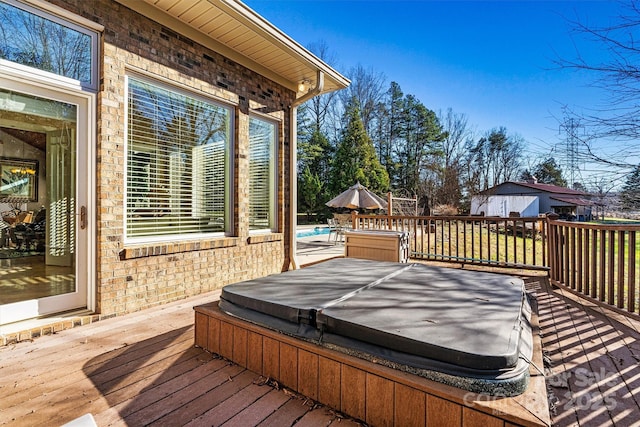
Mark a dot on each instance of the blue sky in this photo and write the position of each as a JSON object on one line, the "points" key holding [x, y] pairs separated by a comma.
{"points": [[492, 61]]}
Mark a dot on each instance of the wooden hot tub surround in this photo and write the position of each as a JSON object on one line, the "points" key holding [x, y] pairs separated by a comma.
{"points": [[375, 394]]}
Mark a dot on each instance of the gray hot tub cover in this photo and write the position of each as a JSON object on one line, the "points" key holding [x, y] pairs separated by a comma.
{"points": [[447, 323]]}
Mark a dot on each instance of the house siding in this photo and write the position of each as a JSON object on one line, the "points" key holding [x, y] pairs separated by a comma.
{"points": [[511, 189], [546, 201], [134, 277]]}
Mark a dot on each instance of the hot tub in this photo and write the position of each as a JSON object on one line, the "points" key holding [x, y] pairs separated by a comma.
{"points": [[463, 328]]}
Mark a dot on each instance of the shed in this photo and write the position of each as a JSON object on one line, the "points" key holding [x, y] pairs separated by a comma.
{"points": [[504, 206], [566, 202]]}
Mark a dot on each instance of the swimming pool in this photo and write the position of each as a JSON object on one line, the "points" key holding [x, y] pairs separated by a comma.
{"points": [[317, 231]]}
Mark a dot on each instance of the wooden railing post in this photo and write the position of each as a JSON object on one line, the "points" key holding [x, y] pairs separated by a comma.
{"points": [[389, 209], [596, 261], [552, 246]]}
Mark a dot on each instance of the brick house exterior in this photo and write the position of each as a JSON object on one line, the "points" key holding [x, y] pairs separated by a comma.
{"points": [[130, 276]]}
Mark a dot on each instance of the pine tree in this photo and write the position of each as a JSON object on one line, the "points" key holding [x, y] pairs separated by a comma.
{"points": [[356, 159], [548, 172], [310, 193], [630, 194], [315, 153]]}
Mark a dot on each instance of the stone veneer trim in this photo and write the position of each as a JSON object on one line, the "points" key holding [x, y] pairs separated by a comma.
{"points": [[177, 247]]}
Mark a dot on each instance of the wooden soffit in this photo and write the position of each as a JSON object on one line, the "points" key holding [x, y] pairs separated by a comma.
{"points": [[232, 29]]}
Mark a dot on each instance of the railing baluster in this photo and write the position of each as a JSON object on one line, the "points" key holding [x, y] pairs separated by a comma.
{"points": [[602, 270], [621, 246], [594, 263], [585, 264], [515, 245], [473, 238], [546, 233], [572, 257], [525, 234], [553, 253], [565, 254], [457, 238], [449, 236], [480, 241], [489, 246], [631, 268], [464, 237], [431, 236], [509, 255], [442, 239], [534, 237], [611, 267]]}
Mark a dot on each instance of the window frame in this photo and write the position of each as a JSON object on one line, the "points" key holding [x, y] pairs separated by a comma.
{"points": [[170, 86], [63, 18], [273, 173]]}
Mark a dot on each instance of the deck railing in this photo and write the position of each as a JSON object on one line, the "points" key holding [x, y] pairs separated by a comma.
{"points": [[504, 242], [597, 261]]}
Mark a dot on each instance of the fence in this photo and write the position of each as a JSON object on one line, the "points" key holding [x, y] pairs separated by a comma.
{"points": [[505, 242], [599, 262]]}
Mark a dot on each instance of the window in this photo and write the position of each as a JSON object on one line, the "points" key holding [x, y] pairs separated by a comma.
{"points": [[34, 39], [262, 174], [178, 163]]}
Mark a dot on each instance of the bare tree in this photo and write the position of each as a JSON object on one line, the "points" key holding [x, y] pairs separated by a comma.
{"points": [[457, 133], [494, 159], [619, 76], [368, 89], [321, 113]]}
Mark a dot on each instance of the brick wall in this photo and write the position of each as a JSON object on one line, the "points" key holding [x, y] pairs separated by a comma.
{"points": [[131, 278]]}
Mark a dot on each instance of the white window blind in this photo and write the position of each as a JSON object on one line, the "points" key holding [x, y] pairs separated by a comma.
{"points": [[178, 151], [262, 173]]}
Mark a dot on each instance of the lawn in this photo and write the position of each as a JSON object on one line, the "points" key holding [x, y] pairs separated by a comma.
{"points": [[482, 242]]}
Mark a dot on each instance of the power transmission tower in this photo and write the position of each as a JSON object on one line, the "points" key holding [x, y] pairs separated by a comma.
{"points": [[569, 127]]}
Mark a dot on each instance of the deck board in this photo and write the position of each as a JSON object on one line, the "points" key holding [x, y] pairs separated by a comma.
{"points": [[259, 410], [142, 368], [593, 356], [139, 369], [238, 399]]}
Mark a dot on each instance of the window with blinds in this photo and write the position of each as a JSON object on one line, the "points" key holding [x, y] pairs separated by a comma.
{"points": [[262, 174], [178, 167]]}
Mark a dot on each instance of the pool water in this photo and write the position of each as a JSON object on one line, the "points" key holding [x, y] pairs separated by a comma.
{"points": [[317, 231]]}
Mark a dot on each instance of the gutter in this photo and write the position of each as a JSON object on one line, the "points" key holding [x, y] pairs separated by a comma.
{"points": [[293, 167]]}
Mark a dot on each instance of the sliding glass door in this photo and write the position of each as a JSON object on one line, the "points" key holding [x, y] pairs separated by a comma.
{"points": [[43, 201]]}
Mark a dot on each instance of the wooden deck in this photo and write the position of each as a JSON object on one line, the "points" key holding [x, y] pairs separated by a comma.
{"points": [[593, 355], [143, 369]]}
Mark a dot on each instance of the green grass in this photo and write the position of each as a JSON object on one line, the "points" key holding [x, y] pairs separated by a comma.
{"points": [[480, 243], [619, 221]]}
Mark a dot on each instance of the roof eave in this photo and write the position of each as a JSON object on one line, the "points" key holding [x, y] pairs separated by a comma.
{"points": [[245, 14], [250, 19]]}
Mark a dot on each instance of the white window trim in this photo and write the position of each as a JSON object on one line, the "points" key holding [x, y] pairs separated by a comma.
{"points": [[67, 19], [86, 184], [229, 219], [275, 173]]}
